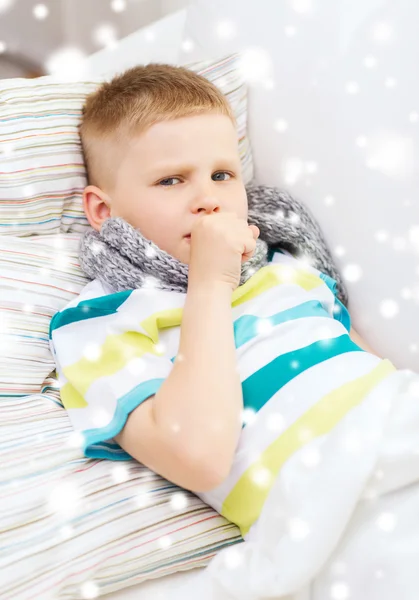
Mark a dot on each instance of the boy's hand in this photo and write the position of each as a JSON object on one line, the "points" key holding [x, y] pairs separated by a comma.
{"points": [[220, 243]]}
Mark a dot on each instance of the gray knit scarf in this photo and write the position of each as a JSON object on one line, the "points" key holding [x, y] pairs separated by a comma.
{"points": [[120, 256]]}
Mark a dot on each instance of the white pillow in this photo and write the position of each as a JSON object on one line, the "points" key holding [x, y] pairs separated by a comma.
{"points": [[72, 525], [43, 171], [334, 120]]}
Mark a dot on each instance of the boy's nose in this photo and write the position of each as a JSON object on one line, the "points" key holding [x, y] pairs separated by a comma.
{"points": [[206, 203]]}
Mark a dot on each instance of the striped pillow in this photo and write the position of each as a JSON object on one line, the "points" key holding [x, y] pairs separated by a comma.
{"points": [[43, 172], [69, 524]]}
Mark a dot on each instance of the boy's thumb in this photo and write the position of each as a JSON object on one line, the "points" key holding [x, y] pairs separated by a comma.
{"points": [[255, 231]]}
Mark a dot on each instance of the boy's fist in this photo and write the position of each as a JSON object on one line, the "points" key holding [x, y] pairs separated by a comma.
{"points": [[220, 243]]}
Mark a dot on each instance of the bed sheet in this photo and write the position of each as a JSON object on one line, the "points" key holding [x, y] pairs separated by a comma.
{"points": [[156, 589]]}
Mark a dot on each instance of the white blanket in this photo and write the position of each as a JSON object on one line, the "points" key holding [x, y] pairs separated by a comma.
{"points": [[342, 519]]}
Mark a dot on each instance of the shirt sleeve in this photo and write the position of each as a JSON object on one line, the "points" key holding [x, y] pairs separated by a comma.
{"points": [[339, 310], [107, 365]]}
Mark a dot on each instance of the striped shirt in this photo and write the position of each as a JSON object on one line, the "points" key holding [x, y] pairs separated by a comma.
{"points": [[299, 369]]}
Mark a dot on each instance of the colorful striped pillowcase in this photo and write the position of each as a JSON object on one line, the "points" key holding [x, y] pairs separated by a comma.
{"points": [[43, 172], [68, 522]]}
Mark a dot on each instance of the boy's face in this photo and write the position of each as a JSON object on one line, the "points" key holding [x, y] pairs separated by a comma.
{"points": [[171, 175]]}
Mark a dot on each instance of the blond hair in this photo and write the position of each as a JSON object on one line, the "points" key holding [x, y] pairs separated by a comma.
{"points": [[133, 101]]}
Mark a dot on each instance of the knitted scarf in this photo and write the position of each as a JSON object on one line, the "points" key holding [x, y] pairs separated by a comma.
{"points": [[120, 256]]}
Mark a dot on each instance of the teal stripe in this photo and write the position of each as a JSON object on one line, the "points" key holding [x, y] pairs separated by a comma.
{"points": [[264, 383], [88, 309], [340, 312], [247, 326]]}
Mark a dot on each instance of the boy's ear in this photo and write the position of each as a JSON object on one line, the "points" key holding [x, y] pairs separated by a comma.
{"points": [[97, 206]]}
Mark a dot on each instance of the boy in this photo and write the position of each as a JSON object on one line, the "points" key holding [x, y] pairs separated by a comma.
{"points": [[165, 374]]}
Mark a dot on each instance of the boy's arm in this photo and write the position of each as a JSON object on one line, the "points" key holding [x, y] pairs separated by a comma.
{"points": [[189, 431], [355, 337]]}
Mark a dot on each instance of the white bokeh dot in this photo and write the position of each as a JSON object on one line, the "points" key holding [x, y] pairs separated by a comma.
{"points": [[256, 65], [120, 473], [118, 5], [165, 542], [340, 251], [352, 87], [406, 293], [150, 251], [261, 476], [294, 218], [101, 417], [3, 47], [160, 348], [264, 326], [6, 5], [414, 116], [382, 32], [66, 532], [248, 416], [370, 61], [386, 521], [281, 125], [339, 591], [390, 82], [311, 167], [188, 45], [226, 29], [89, 590], [381, 235], [352, 272], [105, 35], [302, 6], [65, 498], [40, 11], [310, 457], [142, 499], [135, 366], [92, 352], [389, 308], [76, 439], [290, 31], [68, 63], [232, 558], [179, 501], [298, 529], [275, 422], [292, 170], [329, 200]]}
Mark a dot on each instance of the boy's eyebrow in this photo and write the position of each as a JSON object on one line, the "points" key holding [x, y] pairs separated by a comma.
{"points": [[179, 168]]}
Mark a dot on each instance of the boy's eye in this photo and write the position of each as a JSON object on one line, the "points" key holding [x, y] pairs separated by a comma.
{"points": [[221, 173], [164, 181]]}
